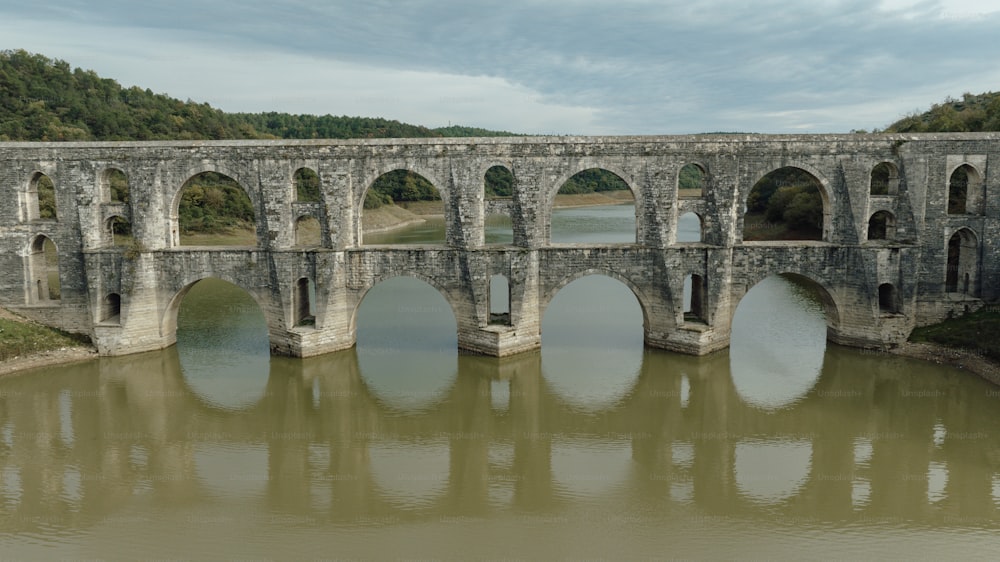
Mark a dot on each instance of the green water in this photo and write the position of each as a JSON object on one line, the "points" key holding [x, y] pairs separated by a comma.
{"points": [[592, 448]]}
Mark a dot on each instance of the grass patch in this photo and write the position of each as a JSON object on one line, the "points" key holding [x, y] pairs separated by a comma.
{"points": [[387, 217], [596, 198], [757, 228], [308, 233], [21, 337], [231, 237], [433, 208], [975, 331]]}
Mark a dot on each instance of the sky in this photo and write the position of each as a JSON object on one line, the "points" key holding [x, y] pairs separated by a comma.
{"points": [[580, 67]]}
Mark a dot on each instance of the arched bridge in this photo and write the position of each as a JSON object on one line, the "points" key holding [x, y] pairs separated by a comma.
{"points": [[910, 225]]}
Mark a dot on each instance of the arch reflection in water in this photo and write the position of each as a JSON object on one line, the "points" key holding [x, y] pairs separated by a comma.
{"points": [[592, 342], [771, 472], [407, 343], [227, 470], [778, 343], [222, 343], [588, 470], [887, 444], [414, 475]]}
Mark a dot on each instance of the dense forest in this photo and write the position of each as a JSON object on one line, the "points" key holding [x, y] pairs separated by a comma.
{"points": [[972, 113], [788, 197], [42, 99]]}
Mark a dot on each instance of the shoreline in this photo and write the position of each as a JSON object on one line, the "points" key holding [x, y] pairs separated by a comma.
{"points": [[53, 357], [963, 359], [391, 227], [959, 358], [578, 200]]}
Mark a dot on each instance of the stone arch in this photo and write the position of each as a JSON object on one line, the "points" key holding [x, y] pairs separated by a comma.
{"points": [[168, 319], [174, 234], [586, 168], [884, 179], [117, 231], [304, 305], [695, 293], [307, 186], [812, 174], [962, 270], [499, 184], [42, 267], [377, 174], [690, 237], [308, 232], [692, 176], [114, 186], [111, 309], [965, 185], [499, 300], [640, 296], [831, 309], [411, 274], [38, 201], [499, 177], [882, 226], [888, 299]]}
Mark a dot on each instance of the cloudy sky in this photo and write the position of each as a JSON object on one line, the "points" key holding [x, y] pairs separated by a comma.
{"points": [[537, 66]]}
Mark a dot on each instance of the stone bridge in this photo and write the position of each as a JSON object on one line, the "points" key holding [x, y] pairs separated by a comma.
{"points": [[937, 253]]}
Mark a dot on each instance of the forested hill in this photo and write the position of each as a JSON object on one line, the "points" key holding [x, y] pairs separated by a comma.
{"points": [[972, 113], [42, 99]]}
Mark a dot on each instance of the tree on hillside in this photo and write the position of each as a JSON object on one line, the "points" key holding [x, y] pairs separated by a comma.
{"points": [[972, 113]]}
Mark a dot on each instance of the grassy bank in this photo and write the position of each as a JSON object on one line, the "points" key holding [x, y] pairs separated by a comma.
{"points": [[20, 337], [976, 332]]}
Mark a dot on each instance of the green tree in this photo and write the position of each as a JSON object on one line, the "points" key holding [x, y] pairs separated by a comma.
{"points": [[593, 180], [46, 197], [307, 185], [499, 182]]}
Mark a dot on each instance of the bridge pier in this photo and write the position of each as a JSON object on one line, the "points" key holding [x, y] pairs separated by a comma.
{"points": [[499, 341]]}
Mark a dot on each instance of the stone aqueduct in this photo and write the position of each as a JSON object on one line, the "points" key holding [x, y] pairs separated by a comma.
{"points": [[930, 263]]}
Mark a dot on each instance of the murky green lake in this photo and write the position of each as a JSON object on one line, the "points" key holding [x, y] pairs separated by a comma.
{"points": [[593, 448]]}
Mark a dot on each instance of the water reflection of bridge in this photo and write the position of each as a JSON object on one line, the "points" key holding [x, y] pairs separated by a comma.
{"points": [[319, 443]]}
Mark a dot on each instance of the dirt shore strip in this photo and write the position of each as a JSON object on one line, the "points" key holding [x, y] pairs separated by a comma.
{"points": [[966, 359], [63, 356]]}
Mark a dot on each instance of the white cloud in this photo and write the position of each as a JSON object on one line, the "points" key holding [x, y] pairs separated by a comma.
{"points": [[639, 66], [258, 80], [952, 9]]}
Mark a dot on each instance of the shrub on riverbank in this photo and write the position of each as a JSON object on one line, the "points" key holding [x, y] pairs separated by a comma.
{"points": [[976, 331]]}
